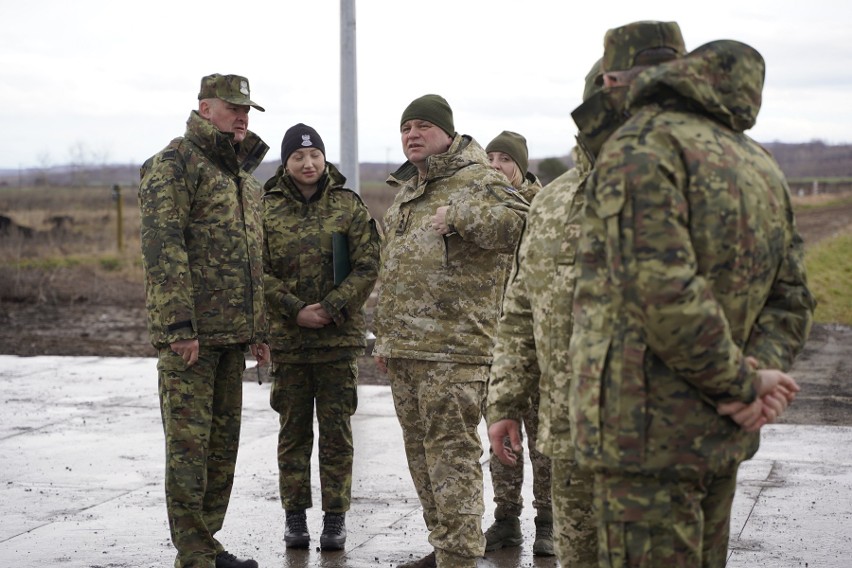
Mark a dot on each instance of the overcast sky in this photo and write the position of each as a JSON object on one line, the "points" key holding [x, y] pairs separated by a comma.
{"points": [[114, 81]]}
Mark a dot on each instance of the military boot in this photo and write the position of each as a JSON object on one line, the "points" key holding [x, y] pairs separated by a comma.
{"points": [[543, 545], [296, 533], [227, 560], [505, 532], [427, 561], [333, 535]]}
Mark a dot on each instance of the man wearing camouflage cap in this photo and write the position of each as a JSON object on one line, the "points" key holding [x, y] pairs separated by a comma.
{"points": [[449, 235], [531, 353], [691, 298], [202, 236]]}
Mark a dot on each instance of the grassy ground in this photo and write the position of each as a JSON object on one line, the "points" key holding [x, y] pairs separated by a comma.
{"points": [[829, 265]]}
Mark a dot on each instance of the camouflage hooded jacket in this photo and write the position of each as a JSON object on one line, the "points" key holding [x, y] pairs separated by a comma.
{"points": [[530, 187], [440, 296], [299, 267], [689, 260], [202, 235], [534, 330]]}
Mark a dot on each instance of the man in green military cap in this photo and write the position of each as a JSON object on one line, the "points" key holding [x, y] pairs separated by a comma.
{"points": [[202, 236], [691, 298]]}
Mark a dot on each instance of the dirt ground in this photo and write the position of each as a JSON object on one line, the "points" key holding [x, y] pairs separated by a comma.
{"points": [[100, 321]]}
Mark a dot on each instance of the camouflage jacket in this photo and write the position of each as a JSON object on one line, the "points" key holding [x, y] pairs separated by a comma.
{"points": [[534, 330], [440, 296], [202, 236], [299, 268], [689, 260], [530, 187]]}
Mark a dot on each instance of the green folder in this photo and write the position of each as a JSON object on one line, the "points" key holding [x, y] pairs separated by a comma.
{"points": [[340, 257]]}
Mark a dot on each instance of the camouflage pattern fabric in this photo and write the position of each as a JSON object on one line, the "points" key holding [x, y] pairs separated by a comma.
{"points": [[507, 481], [438, 405], [201, 409], [201, 251], [435, 321], [440, 295], [299, 267], [531, 352], [530, 187], [531, 349], [623, 46], [574, 521], [295, 390], [641, 513], [202, 234], [689, 260]]}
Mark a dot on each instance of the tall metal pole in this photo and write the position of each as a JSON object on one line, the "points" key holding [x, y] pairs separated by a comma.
{"points": [[349, 165]]}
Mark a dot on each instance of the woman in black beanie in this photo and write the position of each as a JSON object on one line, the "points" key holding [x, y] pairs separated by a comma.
{"points": [[321, 260]]}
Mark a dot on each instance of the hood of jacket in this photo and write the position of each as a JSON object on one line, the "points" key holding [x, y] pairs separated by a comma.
{"points": [[219, 146], [722, 79], [463, 151], [282, 183]]}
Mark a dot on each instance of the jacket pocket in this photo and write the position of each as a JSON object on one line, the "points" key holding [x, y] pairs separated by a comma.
{"points": [[626, 397], [222, 299], [589, 352]]}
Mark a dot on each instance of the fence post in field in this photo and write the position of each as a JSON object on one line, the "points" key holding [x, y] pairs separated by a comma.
{"points": [[119, 232]]}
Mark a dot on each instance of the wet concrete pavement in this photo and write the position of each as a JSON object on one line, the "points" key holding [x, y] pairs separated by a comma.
{"points": [[81, 450]]}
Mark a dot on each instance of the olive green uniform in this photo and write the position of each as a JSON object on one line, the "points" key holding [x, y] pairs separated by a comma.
{"points": [[689, 261], [316, 366], [201, 249]]}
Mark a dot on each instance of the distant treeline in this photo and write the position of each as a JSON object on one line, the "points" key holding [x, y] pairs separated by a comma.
{"points": [[829, 165]]}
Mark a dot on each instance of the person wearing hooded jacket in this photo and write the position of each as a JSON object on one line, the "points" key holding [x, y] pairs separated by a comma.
{"points": [[449, 238], [531, 372], [201, 236], [691, 299], [317, 326]]}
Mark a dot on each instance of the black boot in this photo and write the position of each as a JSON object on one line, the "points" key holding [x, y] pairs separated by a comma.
{"points": [[296, 533], [227, 560], [333, 535]]}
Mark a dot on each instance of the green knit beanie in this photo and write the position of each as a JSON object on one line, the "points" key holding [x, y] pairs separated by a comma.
{"points": [[513, 144], [623, 46], [433, 108]]}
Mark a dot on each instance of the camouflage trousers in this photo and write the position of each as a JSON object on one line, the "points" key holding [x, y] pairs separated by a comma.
{"points": [[574, 523], [201, 408], [645, 521], [296, 388], [507, 481], [439, 409]]}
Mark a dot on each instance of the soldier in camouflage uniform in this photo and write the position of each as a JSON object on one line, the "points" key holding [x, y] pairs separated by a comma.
{"points": [[691, 295], [531, 365], [202, 236], [316, 326], [449, 235], [508, 153]]}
